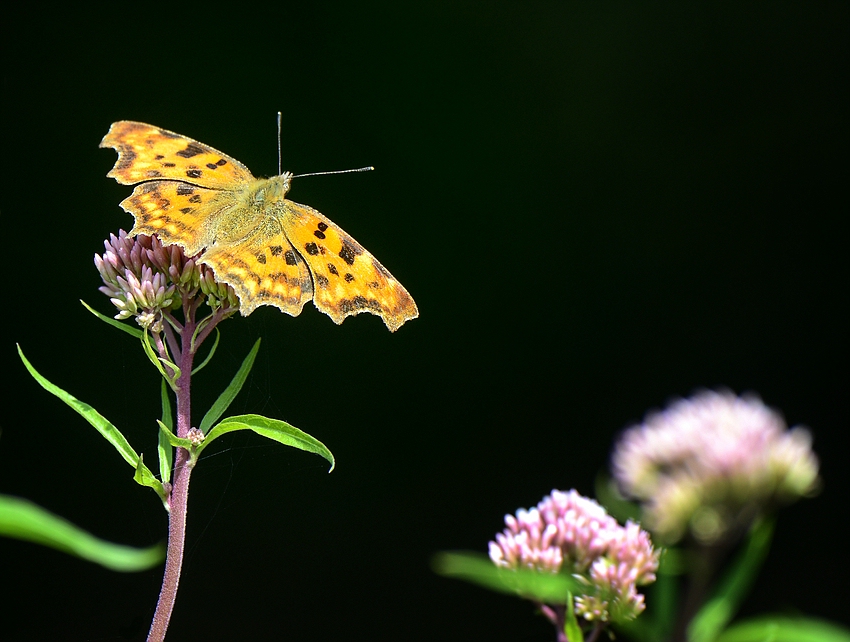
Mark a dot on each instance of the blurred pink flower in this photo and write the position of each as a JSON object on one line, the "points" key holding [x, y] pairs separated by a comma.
{"points": [[711, 464]]}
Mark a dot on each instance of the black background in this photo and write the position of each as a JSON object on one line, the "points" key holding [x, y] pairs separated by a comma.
{"points": [[597, 208]]}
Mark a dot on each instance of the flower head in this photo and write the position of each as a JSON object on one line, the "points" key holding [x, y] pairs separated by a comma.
{"points": [[712, 463], [573, 534], [145, 279]]}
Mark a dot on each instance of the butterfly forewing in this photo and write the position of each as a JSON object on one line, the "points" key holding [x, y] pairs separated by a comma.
{"points": [[148, 153]]}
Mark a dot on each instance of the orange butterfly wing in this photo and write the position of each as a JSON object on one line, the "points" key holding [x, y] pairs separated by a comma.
{"points": [[347, 279]]}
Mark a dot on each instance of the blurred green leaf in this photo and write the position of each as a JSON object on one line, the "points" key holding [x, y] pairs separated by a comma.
{"points": [[103, 426], [613, 501], [275, 429], [663, 595], [734, 586], [115, 323], [571, 627], [225, 398], [479, 569], [21, 519], [785, 629]]}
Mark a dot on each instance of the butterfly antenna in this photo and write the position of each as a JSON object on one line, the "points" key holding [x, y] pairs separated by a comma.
{"points": [[279, 169], [339, 171]]}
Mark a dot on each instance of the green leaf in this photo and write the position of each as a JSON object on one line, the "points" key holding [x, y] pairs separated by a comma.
{"points": [[225, 398], [479, 569], [173, 440], [103, 426], [126, 327], [571, 627], [275, 429], [21, 519], [664, 596], [785, 629], [158, 361], [733, 587], [210, 355], [164, 451], [144, 477]]}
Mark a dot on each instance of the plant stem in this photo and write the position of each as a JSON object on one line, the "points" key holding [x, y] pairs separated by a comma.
{"points": [[704, 562], [179, 499]]}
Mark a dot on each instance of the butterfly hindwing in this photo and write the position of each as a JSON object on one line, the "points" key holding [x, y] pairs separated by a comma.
{"points": [[176, 212], [347, 279], [263, 269]]}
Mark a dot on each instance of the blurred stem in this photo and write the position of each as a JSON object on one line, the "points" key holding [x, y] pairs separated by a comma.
{"points": [[595, 633], [179, 498], [704, 562], [557, 616]]}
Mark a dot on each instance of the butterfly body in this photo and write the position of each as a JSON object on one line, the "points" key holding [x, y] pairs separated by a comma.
{"points": [[271, 250]]}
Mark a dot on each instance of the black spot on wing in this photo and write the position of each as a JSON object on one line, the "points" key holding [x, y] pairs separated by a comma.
{"points": [[349, 252], [192, 149]]}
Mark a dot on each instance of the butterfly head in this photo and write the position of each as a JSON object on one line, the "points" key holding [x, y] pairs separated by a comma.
{"points": [[272, 189]]}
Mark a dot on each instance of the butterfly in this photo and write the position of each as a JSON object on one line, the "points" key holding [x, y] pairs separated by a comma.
{"points": [[270, 250]]}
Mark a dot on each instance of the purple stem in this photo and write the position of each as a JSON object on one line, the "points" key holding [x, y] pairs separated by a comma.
{"points": [[594, 634], [179, 492], [557, 615], [170, 337]]}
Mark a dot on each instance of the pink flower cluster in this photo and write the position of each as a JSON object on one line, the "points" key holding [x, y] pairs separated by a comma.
{"points": [[143, 279], [572, 534], [712, 463]]}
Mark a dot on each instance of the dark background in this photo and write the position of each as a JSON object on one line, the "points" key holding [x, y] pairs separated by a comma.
{"points": [[597, 208]]}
